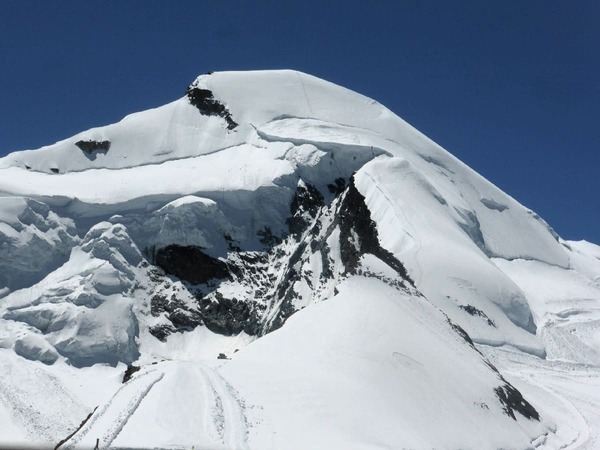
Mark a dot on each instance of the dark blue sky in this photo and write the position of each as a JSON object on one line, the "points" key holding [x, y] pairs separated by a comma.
{"points": [[510, 87]]}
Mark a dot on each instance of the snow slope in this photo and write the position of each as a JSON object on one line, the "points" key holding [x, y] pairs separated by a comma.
{"points": [[292, 266]]}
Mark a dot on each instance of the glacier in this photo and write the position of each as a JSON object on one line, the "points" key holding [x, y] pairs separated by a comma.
{"points": [[274, 261]]}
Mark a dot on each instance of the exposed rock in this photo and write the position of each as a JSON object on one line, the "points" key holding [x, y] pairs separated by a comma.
{"points": [[337, 187], [463, 334], [184, 319], [158, 304], [161, 332], [190, 264], [131, 369], [232, 244], [358, 234], [229, 316], [267, 238], [304, 208], [477, 312], [91, 146], [270, 299], [512, 400], [204, 100]]}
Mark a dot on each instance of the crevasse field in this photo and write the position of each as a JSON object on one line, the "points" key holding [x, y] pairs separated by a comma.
{"points": [[280, 263]]}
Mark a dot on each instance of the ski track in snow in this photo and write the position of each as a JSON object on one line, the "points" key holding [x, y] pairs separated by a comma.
{"points": [[125, 403], [229, 409], [582, 425], [587, 407], [226, 416]]}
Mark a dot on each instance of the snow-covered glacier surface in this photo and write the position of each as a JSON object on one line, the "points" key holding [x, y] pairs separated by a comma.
{"points": [[274, 261]]}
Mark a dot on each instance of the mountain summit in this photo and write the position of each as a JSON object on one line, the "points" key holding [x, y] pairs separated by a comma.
{"points": [[273, 261]]}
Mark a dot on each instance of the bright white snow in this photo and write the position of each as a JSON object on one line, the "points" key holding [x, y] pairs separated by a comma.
{"points": [[363, 364]]}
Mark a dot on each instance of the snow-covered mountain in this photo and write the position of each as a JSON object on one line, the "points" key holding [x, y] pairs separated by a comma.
{"points": [[276, 262]]}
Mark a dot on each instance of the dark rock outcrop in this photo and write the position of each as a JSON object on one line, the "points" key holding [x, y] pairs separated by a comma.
{"points": [[337, 187], [190, 263], [267, 238], [512, 401], [304, 208], [270, 299], [91, 146], [205, 102], [463, 334], [229, 316], [131, 369], [161, 332], [358, 234], [477, 312]]}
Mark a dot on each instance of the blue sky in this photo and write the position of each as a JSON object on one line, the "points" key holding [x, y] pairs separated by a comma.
{"points": [[512, 88]]}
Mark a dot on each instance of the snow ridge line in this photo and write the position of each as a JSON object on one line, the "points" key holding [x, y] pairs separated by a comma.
{"points": [[304, 92], [415, 236]]}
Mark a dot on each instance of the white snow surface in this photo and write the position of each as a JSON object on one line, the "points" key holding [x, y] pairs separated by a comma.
{"points": [[368, 361]]}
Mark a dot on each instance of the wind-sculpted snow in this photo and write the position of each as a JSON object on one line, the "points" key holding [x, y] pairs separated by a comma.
{"points": [[35, 348], [352, 281], [34, 241], [82, 309]]}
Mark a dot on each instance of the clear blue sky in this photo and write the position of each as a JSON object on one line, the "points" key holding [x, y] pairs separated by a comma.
{"points": [[510, 87]]}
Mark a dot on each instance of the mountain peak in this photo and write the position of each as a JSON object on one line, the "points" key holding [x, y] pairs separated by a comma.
{"points": [[296, 232]]}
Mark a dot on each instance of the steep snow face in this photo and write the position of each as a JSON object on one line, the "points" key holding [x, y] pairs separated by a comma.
{"points": [[446, 253], [294, 230]]}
